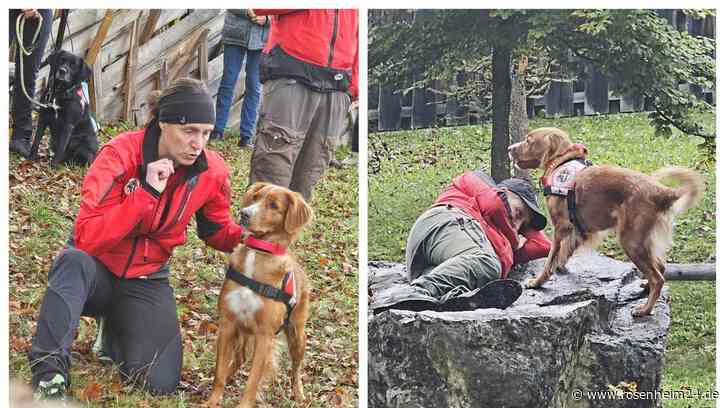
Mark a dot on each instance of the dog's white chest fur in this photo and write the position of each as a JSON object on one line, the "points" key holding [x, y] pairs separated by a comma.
{"points": [[242, 301]]}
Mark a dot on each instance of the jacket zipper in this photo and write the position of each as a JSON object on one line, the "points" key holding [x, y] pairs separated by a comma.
{"points": [[130, 258], [182, 208], [334, 38]]}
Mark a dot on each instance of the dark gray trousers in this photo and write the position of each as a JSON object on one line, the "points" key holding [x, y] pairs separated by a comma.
{"points": [[143, 335], [448, 254]]}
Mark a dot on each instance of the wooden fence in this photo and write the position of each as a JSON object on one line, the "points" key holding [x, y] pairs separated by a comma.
{"points": [[133, 52], [388, 109]]}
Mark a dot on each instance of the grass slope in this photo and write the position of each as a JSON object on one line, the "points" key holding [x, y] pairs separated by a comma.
{"points": [[408, 169], [43, 205]]}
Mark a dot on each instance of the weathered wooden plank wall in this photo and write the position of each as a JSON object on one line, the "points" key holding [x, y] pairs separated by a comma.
{"points": [[160, 35]]}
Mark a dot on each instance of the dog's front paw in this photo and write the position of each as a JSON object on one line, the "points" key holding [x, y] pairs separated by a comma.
{"points": [[297, 393], [641, 311], [532, 283]]}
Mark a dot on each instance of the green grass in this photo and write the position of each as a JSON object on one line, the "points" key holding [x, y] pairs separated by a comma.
{"points": [[408, 169], [43, 205]]}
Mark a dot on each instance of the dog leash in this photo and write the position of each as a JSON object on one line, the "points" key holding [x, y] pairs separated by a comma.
{"points": [[24, 52]]}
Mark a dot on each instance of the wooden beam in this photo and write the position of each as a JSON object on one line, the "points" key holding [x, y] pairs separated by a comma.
{"points": [[182, 55], [95, 46], [130, 90], [690, 272], [150, 26]]}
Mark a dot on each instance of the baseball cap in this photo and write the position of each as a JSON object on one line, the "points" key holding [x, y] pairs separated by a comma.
{"points": [[525, 191]]}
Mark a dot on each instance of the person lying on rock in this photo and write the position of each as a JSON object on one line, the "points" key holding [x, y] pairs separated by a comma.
{"points": [[461, 249]]}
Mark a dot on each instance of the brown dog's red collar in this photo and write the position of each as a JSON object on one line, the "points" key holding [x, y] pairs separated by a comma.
{"points": [[265, 246]]}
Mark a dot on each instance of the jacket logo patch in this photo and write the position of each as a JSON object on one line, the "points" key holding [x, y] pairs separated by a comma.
{"points": [[131, 186]]}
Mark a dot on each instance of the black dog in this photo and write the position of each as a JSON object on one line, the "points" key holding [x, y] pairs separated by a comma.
{"points": [[72, 132]]}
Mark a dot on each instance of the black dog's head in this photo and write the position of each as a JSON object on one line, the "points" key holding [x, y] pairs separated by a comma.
{"points": [[69, 69]]}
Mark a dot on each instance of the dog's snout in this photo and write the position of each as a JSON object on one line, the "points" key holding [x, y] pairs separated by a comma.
{"points": [[248, 213], [245, 218]]}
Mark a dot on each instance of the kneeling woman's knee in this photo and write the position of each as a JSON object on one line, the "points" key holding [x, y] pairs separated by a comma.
{"points": [[72, 260], [162, 374]]}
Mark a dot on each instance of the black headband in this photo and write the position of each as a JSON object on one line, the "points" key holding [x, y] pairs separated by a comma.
{"points": [[187, 106]]}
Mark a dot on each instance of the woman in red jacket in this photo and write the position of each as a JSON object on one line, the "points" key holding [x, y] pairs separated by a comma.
{"points": [[137, 200], [461, 249]]}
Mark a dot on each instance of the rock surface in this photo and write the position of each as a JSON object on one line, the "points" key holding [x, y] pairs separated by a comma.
{"points": [[575, 334]]}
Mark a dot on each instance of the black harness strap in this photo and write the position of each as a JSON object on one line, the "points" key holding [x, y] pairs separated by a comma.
{"points": [[265, 290], [571, 206]]}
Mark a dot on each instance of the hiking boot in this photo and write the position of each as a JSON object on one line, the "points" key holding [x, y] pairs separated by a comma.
{"points": [[101, 346], [216, 135], [498, 294], [403, 297], [20, 144], [53, 389], [350, 161], [245, 144]]}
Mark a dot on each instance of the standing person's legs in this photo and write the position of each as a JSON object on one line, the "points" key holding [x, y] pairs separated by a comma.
{"points": [[22, 107], [457, 256], [327, 125], [145, 340], [253, 89], [285, 115], [233, 59], [77, 285]]}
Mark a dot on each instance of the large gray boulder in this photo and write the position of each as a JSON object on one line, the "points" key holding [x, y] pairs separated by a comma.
{"points": [[573, 336]]}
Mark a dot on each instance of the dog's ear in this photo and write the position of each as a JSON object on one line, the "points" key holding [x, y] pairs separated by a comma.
{"points": [[248, 197], [84, 72], [52, 59], [558, 141], [299, 213]]}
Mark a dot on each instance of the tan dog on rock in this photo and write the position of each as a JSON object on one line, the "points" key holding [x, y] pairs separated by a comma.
{"points": [[265, 292], [584, 202]]}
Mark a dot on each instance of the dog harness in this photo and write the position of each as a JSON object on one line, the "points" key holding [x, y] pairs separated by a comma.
{"points": [[560, 175], [286, 294]]}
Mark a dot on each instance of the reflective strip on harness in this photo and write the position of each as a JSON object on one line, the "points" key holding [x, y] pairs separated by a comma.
{"points": [[562, 178]]}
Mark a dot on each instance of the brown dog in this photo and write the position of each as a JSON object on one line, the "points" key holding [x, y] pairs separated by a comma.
{"points": [[635, 205], [250, 315]]}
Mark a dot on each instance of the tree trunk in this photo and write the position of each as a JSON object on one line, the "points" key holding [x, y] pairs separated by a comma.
{"points": [[500, 169], [519, 116]]}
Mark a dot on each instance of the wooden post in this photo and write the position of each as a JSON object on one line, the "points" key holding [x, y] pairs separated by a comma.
{"points": [[163, 74], [204, 57], [96, 92], [130, 90]]}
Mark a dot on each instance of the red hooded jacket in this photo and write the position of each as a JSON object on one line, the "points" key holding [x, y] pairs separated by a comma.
{"points": [[131, 228], [468, 192], [323, 37]]}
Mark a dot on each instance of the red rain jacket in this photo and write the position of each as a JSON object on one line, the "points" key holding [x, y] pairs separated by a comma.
{"points": [[324, 37], [468, 192], [131, 228]]}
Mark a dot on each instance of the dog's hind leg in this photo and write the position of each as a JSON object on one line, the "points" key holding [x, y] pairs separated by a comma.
{"points": [[566, 241], [296, 339], [229, 356], [651, 266]]}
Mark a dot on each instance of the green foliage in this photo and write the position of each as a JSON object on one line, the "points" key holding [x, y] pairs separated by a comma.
{"points": [[649, 57]]}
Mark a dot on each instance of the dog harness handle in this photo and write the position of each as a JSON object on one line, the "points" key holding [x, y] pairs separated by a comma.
{"points": [[265, 246]]}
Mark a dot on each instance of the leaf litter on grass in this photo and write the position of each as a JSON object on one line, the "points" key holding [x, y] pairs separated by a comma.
{"points": [[43, 205]]}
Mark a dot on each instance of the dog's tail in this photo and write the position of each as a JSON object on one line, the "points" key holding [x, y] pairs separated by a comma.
{"points": [[690, 191]]}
